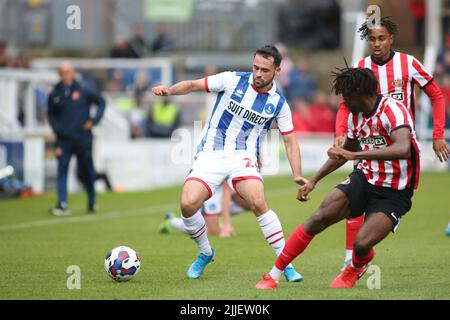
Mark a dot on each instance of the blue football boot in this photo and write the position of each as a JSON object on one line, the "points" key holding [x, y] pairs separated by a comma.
{"points": [[292, 275], [196, 269]]}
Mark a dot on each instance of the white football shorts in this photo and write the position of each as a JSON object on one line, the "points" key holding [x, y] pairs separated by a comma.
{"points": [[212, 168], [213, 206]]}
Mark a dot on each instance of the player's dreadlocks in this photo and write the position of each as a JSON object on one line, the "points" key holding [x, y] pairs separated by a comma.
{"points": [[386, 22], [348, 81]]}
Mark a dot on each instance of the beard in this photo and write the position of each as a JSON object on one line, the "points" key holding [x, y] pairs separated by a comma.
{"points": [[264, 84]]}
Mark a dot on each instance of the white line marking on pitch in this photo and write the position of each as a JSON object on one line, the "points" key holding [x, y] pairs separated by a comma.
{"points": [[112, 214], [95, 217]]}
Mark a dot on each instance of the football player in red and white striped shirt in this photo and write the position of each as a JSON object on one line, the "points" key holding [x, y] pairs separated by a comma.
{"points": [[381, 186], [397, 74]]}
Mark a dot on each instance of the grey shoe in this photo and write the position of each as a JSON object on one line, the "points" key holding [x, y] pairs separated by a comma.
{"points": [[60, 211]]}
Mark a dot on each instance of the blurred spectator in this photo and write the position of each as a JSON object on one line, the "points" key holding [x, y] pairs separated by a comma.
{"points": [[137, 117], [443, 60], [137, 42], [121, 49], [90, 79], [445, 18], [162, 40], [164, 118], [20, 61], [334, 101], [446, 63], [444, 48], [3, 46], [302, 82], [141, 85], [286, 66], [11, 58], [139, 113], [210, 70], [115, 84], [300, 115], [124, 103], [418, 12], [321, 116]]}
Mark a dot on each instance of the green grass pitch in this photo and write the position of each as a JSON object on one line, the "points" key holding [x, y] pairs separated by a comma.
{"points": [[37, 249]]}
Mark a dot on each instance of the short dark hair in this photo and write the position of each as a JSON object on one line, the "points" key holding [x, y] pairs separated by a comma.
{"points": [[386, 22], [270, 51], [349, 81]]}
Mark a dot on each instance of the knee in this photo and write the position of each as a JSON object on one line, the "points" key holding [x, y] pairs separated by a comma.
{"points": [[317, 223], [258, 205], [189, 204]]}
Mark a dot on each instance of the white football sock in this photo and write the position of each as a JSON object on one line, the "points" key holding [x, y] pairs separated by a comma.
{"points": [[348, 254], [196, 227], [178, 224], [272, 231], [276, 273]]}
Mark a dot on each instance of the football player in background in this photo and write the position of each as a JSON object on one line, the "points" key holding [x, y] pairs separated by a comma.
{"points": [[397, 74], [223, 203]]}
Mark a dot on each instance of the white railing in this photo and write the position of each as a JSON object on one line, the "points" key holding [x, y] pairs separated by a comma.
{"points": [[11, 80]]}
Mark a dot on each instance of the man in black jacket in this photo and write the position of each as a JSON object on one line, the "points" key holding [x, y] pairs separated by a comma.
{"points": [[69, 114]]}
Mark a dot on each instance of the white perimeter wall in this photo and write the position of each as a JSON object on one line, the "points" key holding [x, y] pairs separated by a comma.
{"points": [[153, 163]]}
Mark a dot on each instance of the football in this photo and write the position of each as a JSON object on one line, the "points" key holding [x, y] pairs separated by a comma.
{"points": [[122, 263]]}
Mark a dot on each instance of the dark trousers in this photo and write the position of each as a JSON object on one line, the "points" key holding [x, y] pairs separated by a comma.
{"points": [[82, 149], [98, 176]]}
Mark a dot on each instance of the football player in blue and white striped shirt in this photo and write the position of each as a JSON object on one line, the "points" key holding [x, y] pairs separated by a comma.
{"points": [[247, 103]]}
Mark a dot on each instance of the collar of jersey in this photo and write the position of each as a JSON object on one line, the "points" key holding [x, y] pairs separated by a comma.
{"points": [[385, 61]]}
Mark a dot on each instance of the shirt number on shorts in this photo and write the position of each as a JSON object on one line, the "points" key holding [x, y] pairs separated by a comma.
{"points": [[249, 163]]}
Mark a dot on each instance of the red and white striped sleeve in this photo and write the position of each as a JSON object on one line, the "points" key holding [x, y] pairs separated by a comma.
{"points": [[418, 73]]}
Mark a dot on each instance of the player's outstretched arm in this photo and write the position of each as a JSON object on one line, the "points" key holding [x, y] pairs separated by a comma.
{"points": [[180, 88], [328, 167], [293, 155]]}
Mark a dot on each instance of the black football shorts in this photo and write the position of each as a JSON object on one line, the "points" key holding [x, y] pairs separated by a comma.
{"points": [[367, 198]]}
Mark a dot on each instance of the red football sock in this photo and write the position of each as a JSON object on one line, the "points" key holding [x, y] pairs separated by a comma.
{"points": [[296, 244], [359, 262], [352, 228]]}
